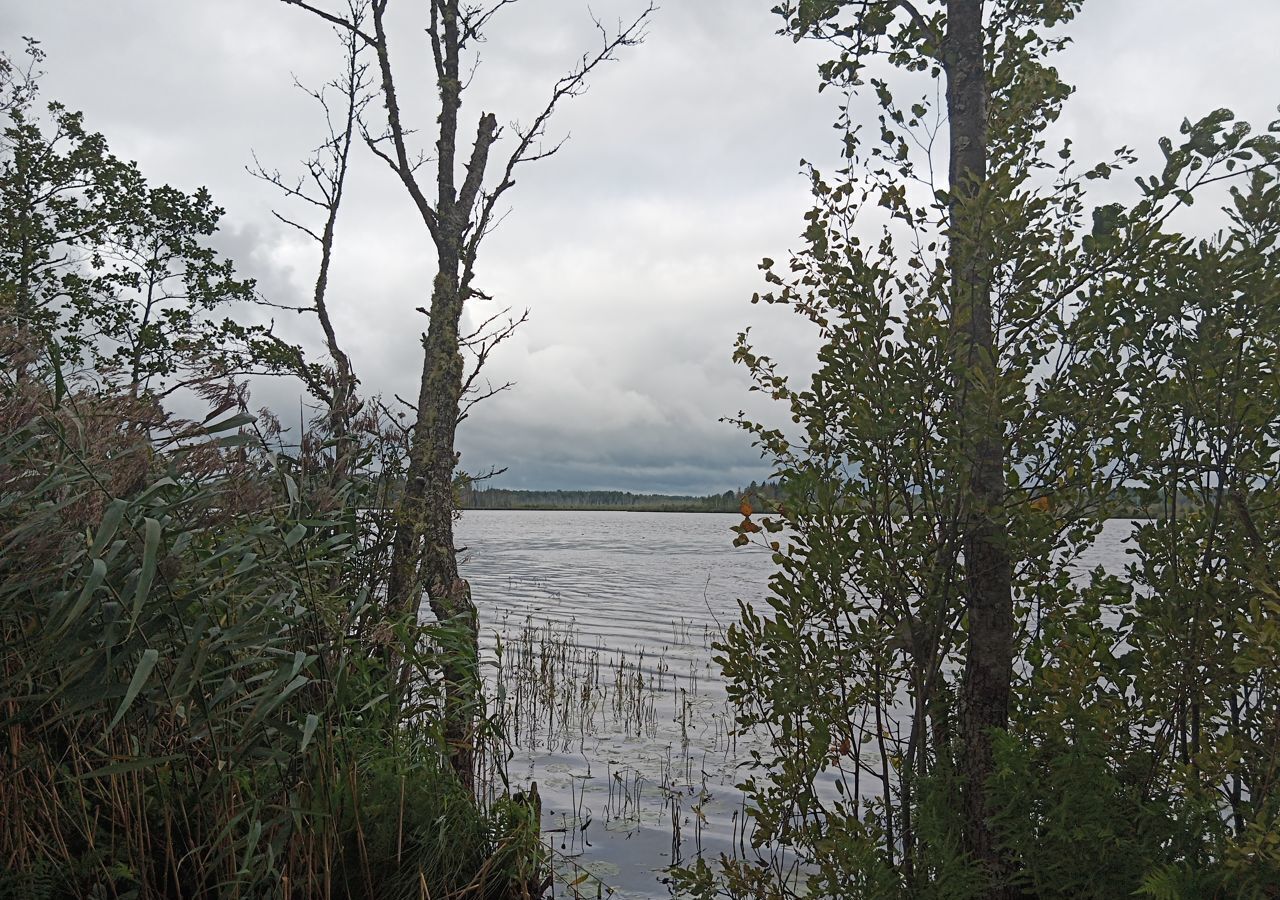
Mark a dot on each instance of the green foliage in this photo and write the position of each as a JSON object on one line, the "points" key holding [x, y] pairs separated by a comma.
{"points": [[1131, 363], [198, 697], [114, 276], [202, 693], [1163, 709]]}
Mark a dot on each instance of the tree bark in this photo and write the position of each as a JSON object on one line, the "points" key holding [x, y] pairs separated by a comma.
{"points": [[423, 555], [984, 693]]}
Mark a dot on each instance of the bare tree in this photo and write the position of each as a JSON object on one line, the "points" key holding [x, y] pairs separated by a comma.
{"points": [[322, 186], [457, 212]]}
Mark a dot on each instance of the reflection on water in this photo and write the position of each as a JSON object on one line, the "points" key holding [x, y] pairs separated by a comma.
{"points": [[597, 630], [600, 626]]}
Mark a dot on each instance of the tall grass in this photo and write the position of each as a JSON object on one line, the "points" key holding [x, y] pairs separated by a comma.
{"points": [[200, 694]]}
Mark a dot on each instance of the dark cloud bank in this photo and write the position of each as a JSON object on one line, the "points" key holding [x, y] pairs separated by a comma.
{"points": [[635, 248]]}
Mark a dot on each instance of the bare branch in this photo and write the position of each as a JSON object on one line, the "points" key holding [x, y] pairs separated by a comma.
{"points": [[394, 418], [480, 345], [464, 408], [304, 229], [274, 178], [486, 133], [433, 32], [338, 21], [570, 85], [394, 127], [263, 301], [480, 329], [372, 143], [492, 473], [472, 28]]}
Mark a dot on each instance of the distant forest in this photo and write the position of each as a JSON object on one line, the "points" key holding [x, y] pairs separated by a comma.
{"points": [[729, 501], [1128, 504]]}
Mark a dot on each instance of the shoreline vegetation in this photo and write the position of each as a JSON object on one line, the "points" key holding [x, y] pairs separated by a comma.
{"points": [[758, 497], [205, 691], [238, 658], [618, 501]]}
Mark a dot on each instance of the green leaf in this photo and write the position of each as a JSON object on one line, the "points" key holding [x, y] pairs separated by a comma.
{"points": [[308, 730], [150, 547], [140, 674], [59, 381], [97, 573], [107, 528], [155, 486], [128, 765]]}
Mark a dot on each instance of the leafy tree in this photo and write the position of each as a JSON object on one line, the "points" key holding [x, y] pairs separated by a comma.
{"points": [[981, 395], [103, 272]]}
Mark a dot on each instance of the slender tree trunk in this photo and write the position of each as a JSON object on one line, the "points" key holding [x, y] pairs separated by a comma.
{"points": [[344, 382], [423, 553], [24, 307], [984, 695]]}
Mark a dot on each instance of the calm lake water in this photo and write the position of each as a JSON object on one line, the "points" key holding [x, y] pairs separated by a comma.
{"points": [[597, 630]]}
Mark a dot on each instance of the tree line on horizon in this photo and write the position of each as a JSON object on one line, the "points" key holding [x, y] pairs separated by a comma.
{"points": [[728, 502]]}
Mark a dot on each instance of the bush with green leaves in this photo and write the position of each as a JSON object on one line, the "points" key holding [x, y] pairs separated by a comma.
{"points": [[1129, 361]]}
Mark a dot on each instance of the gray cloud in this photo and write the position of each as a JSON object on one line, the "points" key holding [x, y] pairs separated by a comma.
{"points": [[634, 248]]}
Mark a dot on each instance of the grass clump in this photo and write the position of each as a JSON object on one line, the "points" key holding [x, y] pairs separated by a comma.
{"points": [[200, 693]]}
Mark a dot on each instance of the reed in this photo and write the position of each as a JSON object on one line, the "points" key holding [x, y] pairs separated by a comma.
{"points": [[558, 692], [200, 694]]}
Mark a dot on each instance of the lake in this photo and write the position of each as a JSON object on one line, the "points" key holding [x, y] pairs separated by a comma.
{"points": [[596, 632]]}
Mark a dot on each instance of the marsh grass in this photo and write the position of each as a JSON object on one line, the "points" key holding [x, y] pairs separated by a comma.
{"points": [[200, 695], [646, 726]]}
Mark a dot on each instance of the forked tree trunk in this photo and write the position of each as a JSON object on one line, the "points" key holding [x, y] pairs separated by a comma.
{"points": [[984, 693], [423, 557], [423, 553]]}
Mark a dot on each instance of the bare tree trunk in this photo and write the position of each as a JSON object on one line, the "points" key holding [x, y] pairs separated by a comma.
{"points": [[423, 552], [342, 405], [423, 556], [323, 187], [984, 692]]}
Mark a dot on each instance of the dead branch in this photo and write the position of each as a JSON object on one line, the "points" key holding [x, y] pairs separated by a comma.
{"points": [[570, 85]]}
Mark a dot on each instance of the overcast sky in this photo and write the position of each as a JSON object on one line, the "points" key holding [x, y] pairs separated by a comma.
{"points": [[635, 248]]}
